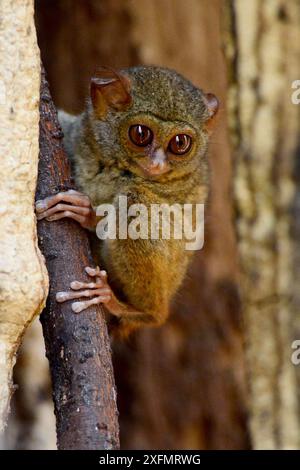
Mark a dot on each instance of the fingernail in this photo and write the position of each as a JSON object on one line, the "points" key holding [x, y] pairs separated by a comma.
{"points": [[89, 270], [40, 206], [77, 307], [75, 284], [60, 296]]}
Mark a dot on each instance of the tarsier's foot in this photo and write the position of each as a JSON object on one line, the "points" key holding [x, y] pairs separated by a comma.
{"points": [[71, 204], [99, 290]]}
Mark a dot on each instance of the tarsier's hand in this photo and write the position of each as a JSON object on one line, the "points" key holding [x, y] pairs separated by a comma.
{"points": [[71, 204]]}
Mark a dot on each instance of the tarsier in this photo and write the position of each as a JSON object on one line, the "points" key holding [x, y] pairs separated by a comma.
{"points": [[144, 134]]}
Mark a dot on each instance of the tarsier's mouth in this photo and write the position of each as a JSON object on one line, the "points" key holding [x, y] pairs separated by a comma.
{"points": [[153, 171]]}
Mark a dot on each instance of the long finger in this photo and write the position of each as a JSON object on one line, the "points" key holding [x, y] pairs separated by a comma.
{"points": [[68, 214], [77, 307], [72, 196], [63, 207], [64, 296], [76, 285]]}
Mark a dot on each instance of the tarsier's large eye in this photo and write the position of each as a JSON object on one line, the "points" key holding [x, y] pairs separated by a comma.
{"points": [[140, 135], [180, 144]]}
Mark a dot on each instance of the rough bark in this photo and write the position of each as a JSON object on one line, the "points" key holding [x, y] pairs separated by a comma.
{"points": [[23, 277], [77, 346], [197, 358], [263, 49]]}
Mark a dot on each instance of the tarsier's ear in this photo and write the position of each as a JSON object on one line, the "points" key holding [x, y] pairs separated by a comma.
{"points": [[212, 104], [109, 89]]}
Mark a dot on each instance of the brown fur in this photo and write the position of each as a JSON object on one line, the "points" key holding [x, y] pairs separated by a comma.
{"points": [[144, 273]]}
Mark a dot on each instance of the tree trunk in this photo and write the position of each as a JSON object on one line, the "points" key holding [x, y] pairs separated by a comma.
{"points": [[23, 277], [263, 52], [77, 346]]}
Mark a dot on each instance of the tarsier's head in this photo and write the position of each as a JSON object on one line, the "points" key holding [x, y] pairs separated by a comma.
{"points": [[151, 120]]}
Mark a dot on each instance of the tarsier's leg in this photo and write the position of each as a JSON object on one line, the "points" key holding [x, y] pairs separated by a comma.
{"points": [[71, 204], [101, 293]]}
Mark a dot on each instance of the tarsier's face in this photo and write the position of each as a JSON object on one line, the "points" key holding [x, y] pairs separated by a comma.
{"points": [[158, 118], [155, 146]]}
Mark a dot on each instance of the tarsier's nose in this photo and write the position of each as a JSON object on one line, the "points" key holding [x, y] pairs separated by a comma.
{"points": [[159, 158], [158, 162]]}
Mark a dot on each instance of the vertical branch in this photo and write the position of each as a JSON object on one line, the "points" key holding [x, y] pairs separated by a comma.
{"points": [[77, 346]]}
